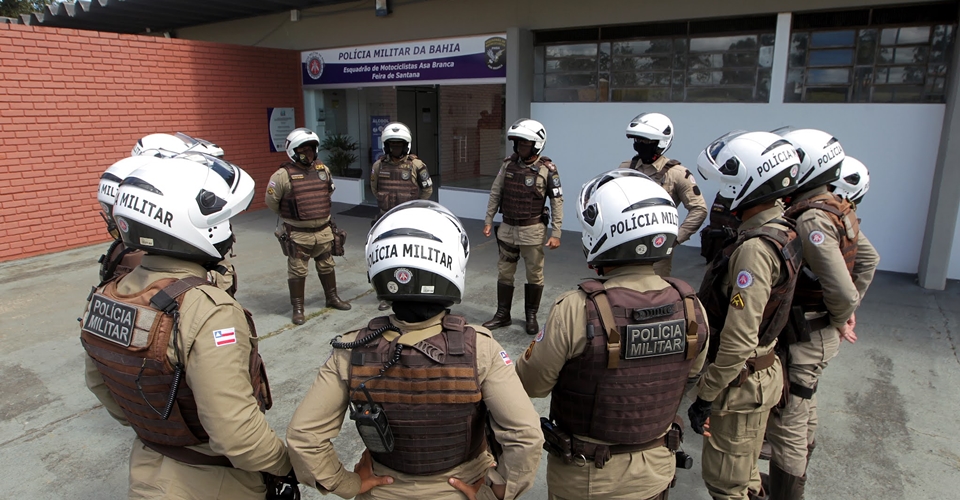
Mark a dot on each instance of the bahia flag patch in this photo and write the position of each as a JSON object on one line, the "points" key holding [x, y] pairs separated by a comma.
{"points": [[506, 358], [226, 336]]}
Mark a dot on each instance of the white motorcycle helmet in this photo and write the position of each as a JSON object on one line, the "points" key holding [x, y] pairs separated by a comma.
{"points": [[751, 167], [179, 208], [652, 126], [395, 131], [626, 218], [110, 183], [526, 129], [166, 145], [854, 180], [820, 156], [418, 252], [298, 137]]}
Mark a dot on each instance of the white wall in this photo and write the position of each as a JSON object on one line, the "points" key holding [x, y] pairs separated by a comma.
{"points": [[898, 143], [953, 272], [348, 190]]}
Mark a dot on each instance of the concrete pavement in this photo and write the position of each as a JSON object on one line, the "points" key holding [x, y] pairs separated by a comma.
{"points": [[888, 404]]}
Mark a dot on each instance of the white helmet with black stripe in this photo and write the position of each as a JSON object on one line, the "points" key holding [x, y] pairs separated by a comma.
{"points": [[166, 145], [821, 156], [418, 252], [180, 208], [626, 218], [854, 181], [526, 129], [651, 127], [396, 131], [751, 167], [298, 137]]}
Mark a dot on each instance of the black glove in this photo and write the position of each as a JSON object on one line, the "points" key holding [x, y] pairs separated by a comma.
{"points": [[282, 488], [698, 413]]}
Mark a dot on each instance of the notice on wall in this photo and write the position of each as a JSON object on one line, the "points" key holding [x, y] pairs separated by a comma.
{"points": [[280, 122], [376, 129], [462, 60]]}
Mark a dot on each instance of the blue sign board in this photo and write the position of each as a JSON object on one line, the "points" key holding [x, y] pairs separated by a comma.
{"points": [[376, 129]]}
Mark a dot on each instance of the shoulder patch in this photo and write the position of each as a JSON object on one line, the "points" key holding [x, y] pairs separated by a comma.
{"points": [[225, 336], [539, 336], [737, 301], [816, 237], [506, 358], [744, 279], [529, 351]]}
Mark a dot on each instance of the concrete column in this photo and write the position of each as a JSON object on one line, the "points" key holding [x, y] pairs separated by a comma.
{"points": [[781, 55], [938, 237], [519, 77]]}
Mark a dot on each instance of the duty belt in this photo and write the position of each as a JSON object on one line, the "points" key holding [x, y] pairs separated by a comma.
{"points": [[295, 229], [753, 365], [819, 323], [600, 453], [522, 222]]}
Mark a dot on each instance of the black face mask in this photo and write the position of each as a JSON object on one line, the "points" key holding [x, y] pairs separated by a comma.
{"points": [[396, 150], [646, 151], [415, 312]]}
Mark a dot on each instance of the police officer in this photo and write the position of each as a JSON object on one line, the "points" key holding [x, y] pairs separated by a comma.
{"points": [[746, 293], [120, 259], [173, 356], [398, 176], [839, 263], [854, 181], [300, 193], [630, 333], [525, 181], [652, 134], [421, 384]]}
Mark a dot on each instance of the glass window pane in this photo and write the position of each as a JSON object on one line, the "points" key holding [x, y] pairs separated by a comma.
{"points": [[679, 61], [794, 86], [767, 39], [641, 79], [722, 43], [862, 81], [704, 77], [658, 46], [603, 92], [582, 49], [571, 80], [908, 74], [798, 49], [719, 94], [680, 44], [677, 92], [538, 59], [570, 95], [867, 47], [918, 34], [766, 56], [832, 38], [942, 43], [881, 75], [906, 55], [571, 64], [763, 85], [604, 58], [705, 61], [644, 63], [888, 36], [826, 94], [885, 55], [827, 76], [832, 57], [641, 95]]}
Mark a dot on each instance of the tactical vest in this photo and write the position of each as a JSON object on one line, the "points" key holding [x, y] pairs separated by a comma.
{"points": [[118, 261], [521, 202], [396, 184], [431, 397], [715, 297], [626, 386], [841, 212], [127, 336], [661, 176], [719, 232], [309, 195]]}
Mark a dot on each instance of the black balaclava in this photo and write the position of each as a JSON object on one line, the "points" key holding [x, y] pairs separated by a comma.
{"points": [[415, 312], [402, 148], [526, 159], [647, 152]]}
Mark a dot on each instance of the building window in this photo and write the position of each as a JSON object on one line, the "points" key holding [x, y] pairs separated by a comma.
{"points": [[677, 62], [879, 61]]}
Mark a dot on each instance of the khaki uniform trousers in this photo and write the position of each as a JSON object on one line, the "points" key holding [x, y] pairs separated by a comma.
{"points": [[154, 476], [737, 423], [627, 476], [316, 246], [792, 429], [532, 256]]}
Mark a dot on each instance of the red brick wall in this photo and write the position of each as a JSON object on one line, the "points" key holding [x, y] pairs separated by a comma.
{"points": [[74, 102]]}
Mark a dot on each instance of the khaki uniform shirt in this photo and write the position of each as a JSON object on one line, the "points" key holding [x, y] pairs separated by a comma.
{"points": [[419, 175], [218, 376], [514, 420], [565, 338], [525, 235], [680, 184], [279, 186], [759, 265], [841, 291]]}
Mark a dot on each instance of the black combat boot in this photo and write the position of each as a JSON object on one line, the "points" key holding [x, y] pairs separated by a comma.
{"points": [[296, 299], [784, 486], [504, 300], [531, 304], [329, 283]]}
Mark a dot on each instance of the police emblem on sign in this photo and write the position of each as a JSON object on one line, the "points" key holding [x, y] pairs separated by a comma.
{"points": [[110, 320], [655, 339], [315, 65], [495, 48]]}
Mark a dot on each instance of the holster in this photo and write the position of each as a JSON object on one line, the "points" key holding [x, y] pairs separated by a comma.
{"points": [[545, 216], [284, 240], [556, 441], [339, 239], [799, 325], [675, 435]]}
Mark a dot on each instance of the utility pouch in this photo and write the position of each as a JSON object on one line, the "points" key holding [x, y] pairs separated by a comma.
{"points": [[339, 239], [556, 441]]}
